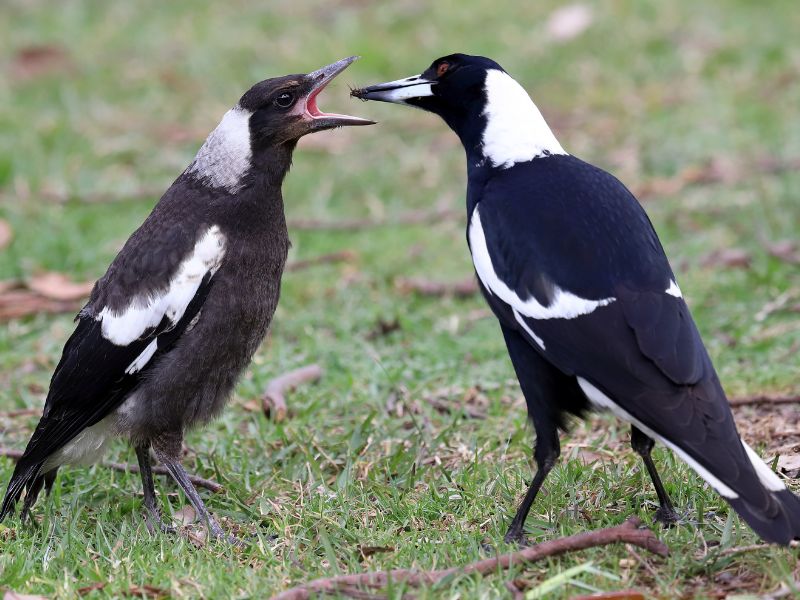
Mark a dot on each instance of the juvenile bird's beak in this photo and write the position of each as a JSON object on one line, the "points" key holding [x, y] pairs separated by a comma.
{"points": [[319, 79], [400, 91]]}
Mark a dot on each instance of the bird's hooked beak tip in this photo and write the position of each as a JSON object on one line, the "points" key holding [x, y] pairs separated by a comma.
{"points": [[400, 91], [319, 79]]}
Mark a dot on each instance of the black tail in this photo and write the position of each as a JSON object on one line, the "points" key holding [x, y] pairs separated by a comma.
{"points": [[777, 521], [25, 476]]}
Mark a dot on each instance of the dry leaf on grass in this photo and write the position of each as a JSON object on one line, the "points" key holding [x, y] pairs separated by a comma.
{"points": [[6, 234], [12, 595], [186, 515], [35, 61], [57, 286], [568, 22], [146, 591], [785, 250], [789, 464], [727, 257]]}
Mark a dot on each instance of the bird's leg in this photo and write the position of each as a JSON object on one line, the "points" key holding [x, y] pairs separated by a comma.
{"points": [[168, 453], [152, 517], [643, 445], [547, 451]]}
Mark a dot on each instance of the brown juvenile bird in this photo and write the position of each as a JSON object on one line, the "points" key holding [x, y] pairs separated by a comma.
{"points": [[184, 305]]}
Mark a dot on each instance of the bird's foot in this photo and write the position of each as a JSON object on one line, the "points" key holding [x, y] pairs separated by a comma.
{"points": [[517, 537], [220, 534], [667, 516], [153, 520]]}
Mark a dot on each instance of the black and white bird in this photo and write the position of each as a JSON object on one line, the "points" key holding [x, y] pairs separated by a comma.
{"points": [[590, 309], [179, 313]]}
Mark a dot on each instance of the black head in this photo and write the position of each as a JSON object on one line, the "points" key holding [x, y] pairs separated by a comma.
{"points": [[452, 87], [284, 109], [497, 122], [260, 132]]}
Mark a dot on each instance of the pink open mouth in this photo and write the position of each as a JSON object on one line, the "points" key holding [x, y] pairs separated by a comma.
{"points": [[313, 111]]}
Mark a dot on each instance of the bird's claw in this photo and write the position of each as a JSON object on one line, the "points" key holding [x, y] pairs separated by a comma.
{"points": [[667, 516]]}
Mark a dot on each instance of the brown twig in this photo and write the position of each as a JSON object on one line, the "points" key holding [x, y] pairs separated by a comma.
{"points": [[324, 259], [274, 399], [460, 289], [452, 408], [629, 532], [762, 399], [213, 486]]}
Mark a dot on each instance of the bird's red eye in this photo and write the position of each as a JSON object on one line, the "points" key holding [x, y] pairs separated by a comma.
{"points": [[442, 69]]}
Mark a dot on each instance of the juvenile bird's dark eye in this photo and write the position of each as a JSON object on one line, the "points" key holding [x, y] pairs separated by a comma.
{"points": [[284, 100]]}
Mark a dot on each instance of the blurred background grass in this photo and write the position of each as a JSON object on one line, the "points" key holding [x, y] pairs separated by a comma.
{"points": [[102, 104]]}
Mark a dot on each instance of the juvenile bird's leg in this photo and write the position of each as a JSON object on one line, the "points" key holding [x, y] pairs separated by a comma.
{"points": [[153, 515], [643, 445], [168, 452]]}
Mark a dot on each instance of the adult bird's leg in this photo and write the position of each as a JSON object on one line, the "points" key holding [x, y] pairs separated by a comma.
{"points": [[153, 517], [643, 445], [542, 384], [168, 451]]}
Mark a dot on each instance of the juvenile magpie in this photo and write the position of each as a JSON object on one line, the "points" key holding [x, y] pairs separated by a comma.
{"points": [[591, 312], [179, 313]]}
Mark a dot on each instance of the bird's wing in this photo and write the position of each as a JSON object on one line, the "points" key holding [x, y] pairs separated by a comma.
{"points": [[137, 312], [587, 282]]}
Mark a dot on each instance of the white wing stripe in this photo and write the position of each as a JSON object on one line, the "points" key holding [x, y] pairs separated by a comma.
{"points": [[143, 313], [565, 305], [600, 400]]}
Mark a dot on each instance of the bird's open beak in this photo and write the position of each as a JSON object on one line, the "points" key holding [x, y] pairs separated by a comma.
{"points": [[319, 79], [399, 91]]}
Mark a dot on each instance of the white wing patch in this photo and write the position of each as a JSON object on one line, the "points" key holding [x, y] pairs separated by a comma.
{"points": [[224, 158], [565, 305], [600, 400], [515, 129], [673, 289], [525, 326], [145, 312]]}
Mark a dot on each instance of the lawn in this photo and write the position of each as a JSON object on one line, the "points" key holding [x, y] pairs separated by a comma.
{"points": [[694, 105]]}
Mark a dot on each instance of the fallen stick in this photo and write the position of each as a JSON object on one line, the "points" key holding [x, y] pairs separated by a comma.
{"points": [[333, 257], [629, 533], [274, 399], [761, 399], [460, 289], [128, 468]]}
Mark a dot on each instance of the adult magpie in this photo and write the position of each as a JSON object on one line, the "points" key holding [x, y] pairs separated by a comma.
{"points": [[589, 307], [179, 313]]}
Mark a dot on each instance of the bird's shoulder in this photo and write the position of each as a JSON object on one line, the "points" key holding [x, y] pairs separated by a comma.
{"points": [[564, 221]]}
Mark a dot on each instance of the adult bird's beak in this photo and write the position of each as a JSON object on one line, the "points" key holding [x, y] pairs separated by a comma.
{"points": [[319, 79], [399, 91]]}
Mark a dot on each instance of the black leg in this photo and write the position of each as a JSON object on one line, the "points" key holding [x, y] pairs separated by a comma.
{"points": [[168, 451], [547, 451], [152, 518], [643, 445], [547, 390]]}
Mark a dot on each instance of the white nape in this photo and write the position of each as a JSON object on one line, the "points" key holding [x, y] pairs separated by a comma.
{"points": [[673, 289], [515, 129], [85, 448], [140, 361], [565, 305], [224, 159], [121, 328], [765, 475], [600, 400], [410, 87]]}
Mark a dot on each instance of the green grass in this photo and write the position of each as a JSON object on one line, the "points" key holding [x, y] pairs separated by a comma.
{"points": [[649, 90]]}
